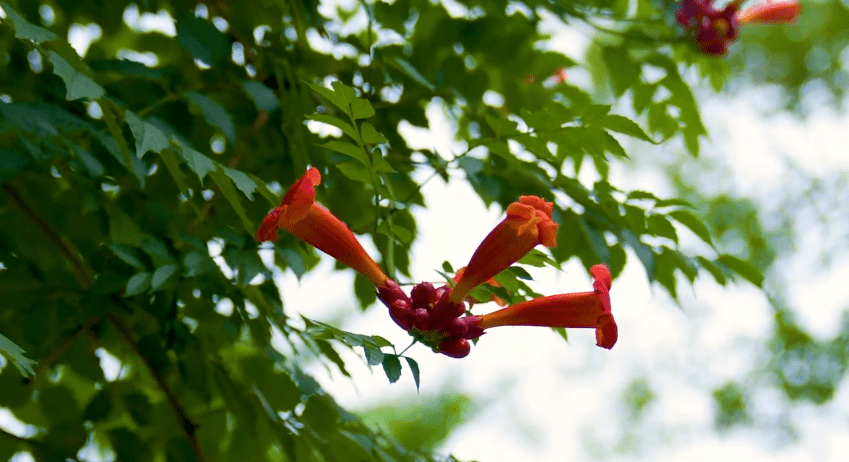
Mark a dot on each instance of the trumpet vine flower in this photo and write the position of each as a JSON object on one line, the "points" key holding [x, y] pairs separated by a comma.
{"points": [[715, 29], [583, 309], [299, 214], [771, 12], [528, 224], [492, 282]]}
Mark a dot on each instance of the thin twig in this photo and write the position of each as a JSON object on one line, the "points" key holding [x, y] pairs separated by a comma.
{"points": [[408, 347], [189, 428], [71, 254]]}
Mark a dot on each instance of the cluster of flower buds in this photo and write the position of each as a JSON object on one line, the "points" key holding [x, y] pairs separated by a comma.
{"points": [[430, 316], [713, 29], [437, 317]]}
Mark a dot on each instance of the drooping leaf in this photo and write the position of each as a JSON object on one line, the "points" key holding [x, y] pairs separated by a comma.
{"points": [[197, 162], [77, 84], [24, 29], [263, 97], [148, 138], [392, 368], [214, 114], [202, 40], [16, 354]]}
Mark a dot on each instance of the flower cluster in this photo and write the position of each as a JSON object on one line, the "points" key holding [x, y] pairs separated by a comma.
{"points": [[437, 317], [713, 29]]}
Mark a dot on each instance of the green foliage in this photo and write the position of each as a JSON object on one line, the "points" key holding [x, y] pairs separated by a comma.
{"points": [[131, 194]]}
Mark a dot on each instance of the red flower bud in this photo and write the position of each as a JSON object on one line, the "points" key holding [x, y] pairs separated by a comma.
{"points": [[455, 347]]}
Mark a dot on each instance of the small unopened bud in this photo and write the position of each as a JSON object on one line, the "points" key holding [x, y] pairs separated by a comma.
{"points": [[423, 294], [445, 310], [455, 347], [422, 319], [401, 313], [456, 327]]}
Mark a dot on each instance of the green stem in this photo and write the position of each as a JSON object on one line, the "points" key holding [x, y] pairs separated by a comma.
{"points": [[408, 347]]}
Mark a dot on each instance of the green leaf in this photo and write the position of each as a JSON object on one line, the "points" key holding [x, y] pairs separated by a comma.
{"points": [[128, 255], [129, 68], [331, 354], [414, 368], [364, 290], [148, 138], [361, 108], [99, 407], [392, 368], [24, 29], [596, 240], [198, 263], [336, 122], [77, 84], [337, 98], [139, 283], [561, 331], [404, 66], [122, 229], [242, 181], [371, 135], [225, 185], [161, 275], [373, 355], [16, 353], [689, 220], [169, 158], [624, 72], [199, 163], [743, 268], [660, 226], [202, 40], [713, 269], [643, 252], [348, 149], [321, 413], [58, 404], [626, 126], [263, 97], [214, 114]]}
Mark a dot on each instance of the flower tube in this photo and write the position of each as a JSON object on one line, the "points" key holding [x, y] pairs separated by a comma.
{"points": [[528, 224], [583, 309], [300, 215], [491, 281], [771, 12]]}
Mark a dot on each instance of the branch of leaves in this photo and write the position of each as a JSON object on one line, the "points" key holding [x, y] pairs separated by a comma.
{"points": [[656, 220], [575, 133], [365, 164], [511, 286], [372, 349]]}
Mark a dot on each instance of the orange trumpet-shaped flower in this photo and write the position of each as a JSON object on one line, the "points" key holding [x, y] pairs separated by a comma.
{"points": [[300, 215], [491, 281], [583, 309], [771, 12], [528, 223]]}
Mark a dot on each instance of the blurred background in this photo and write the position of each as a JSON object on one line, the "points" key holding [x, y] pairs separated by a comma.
{"points": [[701, 371], [730, 372]]}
